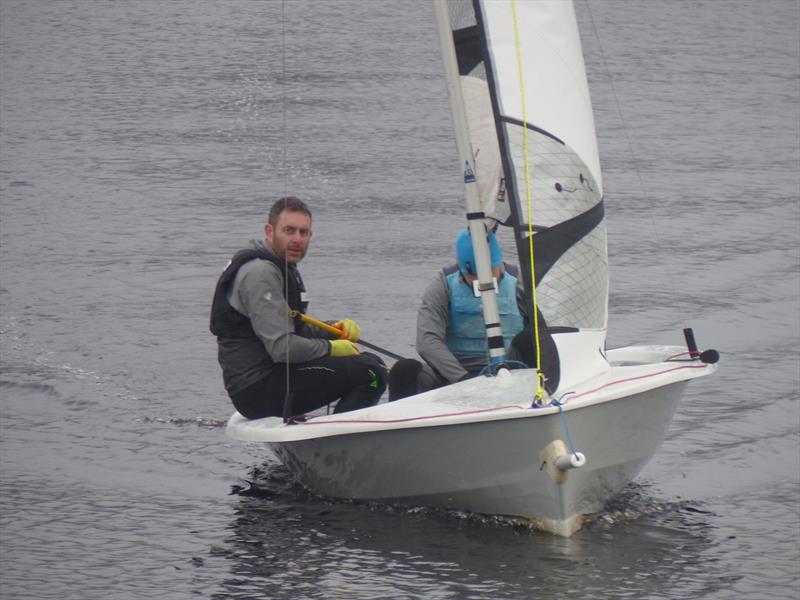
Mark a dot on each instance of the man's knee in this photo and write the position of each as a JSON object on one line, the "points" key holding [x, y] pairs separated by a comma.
{"points": [[403, 378], [376, 370], [368, 376], [367, 370]]}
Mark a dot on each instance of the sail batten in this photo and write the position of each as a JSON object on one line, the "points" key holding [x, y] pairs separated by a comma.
{"points": [[531, 127]]}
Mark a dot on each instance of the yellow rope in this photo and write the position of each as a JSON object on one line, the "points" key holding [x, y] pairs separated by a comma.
{"points": [[529, 197]]}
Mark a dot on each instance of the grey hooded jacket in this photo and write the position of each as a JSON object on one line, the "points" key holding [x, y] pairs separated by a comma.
{"points": [[257, 292]]}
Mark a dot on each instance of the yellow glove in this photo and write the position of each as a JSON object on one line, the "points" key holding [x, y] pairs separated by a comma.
{"points": [[350, 329], [342, 348]]}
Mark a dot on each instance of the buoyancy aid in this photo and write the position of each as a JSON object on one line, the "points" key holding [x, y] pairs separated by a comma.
{"points": [[466, 329], [226, 321]]}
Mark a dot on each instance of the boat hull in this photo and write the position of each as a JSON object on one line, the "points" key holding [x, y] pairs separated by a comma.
{"points": [[481, 445], [493, 467]]}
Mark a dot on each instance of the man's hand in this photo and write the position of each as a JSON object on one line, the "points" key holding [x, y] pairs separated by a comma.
{"points": [[342, 348], [350, 329]]}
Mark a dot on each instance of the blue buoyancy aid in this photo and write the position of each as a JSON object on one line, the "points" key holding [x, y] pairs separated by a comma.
{"points": [[466, 330]]}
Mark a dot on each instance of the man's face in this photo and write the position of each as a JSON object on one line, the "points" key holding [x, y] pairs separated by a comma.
{"points": [[290, 236]]}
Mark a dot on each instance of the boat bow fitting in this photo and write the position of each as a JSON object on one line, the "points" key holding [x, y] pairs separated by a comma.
{"points": [[573, 460], [557, 459]]}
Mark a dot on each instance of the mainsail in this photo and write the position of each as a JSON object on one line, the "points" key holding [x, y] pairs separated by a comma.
{"points": [[531, 126]]}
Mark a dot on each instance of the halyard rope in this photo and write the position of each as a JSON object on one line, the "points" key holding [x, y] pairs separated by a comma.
{"points": [[529, 197], [289, 321]]}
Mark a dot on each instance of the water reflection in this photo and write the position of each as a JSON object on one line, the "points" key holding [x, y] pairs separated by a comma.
{"points": [[287, 543]]}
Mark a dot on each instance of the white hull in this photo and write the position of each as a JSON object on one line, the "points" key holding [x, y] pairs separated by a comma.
{"points": [[477, 445]]}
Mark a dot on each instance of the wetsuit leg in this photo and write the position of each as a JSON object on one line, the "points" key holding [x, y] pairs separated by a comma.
{"points": [[368, 375], [408, 377], [358, 380], [403, 378]]}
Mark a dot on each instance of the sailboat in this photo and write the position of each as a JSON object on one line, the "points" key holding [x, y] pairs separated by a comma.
{"points": [[549, 443]]}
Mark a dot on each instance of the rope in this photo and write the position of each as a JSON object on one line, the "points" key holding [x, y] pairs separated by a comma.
{"points": [[561, 414], [287, 400], [529, 197], [309, 420], [283, 95]]}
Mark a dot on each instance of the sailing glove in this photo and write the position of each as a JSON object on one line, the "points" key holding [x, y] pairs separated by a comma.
{"points": [[342, 348], [350, 329]]}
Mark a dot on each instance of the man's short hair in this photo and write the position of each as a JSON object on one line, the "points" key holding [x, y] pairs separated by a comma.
{"points": [[290, 203]]}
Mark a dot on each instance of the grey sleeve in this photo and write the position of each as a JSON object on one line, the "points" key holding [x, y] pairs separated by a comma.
{"points": [[257, 292], [432, 319]]}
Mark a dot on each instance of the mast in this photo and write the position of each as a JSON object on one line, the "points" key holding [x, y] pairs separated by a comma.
{"points": [[475, 216]]}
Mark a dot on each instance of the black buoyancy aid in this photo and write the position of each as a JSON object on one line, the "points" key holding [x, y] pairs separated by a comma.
{"points": [[226, 321]]}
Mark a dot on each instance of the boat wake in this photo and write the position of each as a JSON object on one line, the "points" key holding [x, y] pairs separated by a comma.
{"points": [[181, 421], [273, 481], [635, 502]]}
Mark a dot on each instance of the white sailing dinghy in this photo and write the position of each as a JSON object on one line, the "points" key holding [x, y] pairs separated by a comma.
{"points": [[552, 444]]}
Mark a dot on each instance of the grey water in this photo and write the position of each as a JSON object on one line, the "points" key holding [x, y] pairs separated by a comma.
{"points": [[140, 145]]}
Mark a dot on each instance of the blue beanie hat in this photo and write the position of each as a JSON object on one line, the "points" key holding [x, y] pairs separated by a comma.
{"points": [[466, 257]]}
